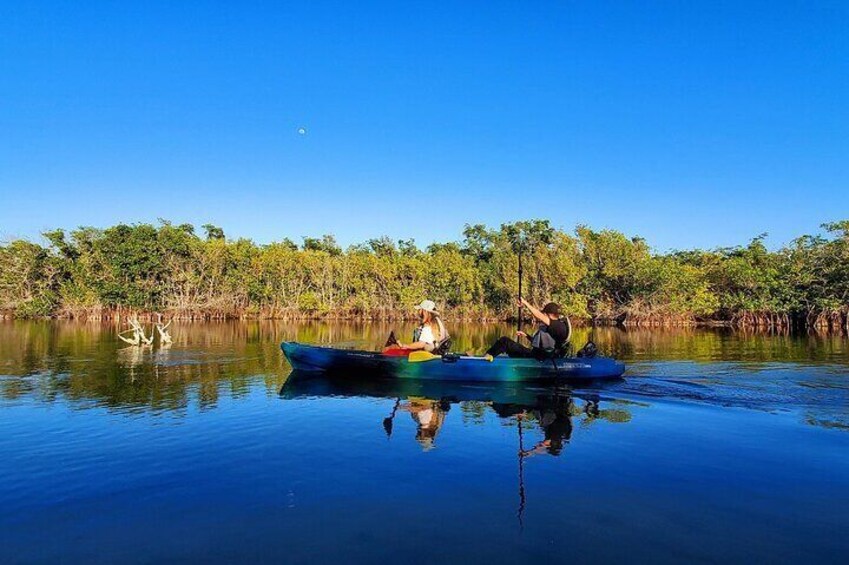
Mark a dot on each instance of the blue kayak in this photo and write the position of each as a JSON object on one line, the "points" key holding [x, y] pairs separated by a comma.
{"points": [[312, 358]]}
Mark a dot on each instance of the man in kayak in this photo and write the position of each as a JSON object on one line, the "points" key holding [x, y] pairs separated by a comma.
{"points": [[430, 334], [553, 333]]}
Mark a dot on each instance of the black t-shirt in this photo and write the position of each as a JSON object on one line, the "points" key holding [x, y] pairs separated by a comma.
{"points": [[559, 330]]}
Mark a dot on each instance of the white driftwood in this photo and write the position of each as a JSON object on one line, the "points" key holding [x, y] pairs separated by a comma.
{"points": [[132, 341], [164, 336], [139, 336]]}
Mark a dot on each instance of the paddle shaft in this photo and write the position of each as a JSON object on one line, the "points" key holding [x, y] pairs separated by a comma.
{"points": [[519, 317]]}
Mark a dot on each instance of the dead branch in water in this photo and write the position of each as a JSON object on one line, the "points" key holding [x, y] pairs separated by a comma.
{"points": [[139, 336], [164, 336]]}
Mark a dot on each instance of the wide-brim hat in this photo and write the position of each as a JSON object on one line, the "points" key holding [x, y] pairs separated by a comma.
{"points": [[427, 306]]}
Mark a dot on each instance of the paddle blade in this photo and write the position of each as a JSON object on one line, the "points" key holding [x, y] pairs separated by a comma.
{"points": [[392, 340], [419, 356]]}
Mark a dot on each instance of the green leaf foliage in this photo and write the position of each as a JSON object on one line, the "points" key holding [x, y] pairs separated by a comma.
{"points": [[603, 275]]}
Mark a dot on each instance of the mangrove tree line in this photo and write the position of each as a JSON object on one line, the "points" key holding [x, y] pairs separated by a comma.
{"points": [[596, 275]]}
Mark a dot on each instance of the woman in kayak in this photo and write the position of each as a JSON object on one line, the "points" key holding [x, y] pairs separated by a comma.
{"points": [[429, 335], [553, 333]]}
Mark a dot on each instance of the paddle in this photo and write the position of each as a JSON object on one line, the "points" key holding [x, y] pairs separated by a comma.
{"points": [[422, 355], [391, 340], [519, 240], [519, 317]]}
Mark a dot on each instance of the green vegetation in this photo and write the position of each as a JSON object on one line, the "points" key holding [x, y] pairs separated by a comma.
{"points": [[599, 275]]}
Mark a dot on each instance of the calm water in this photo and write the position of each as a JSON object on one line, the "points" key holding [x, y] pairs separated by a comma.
{"points": [[717, 447]]}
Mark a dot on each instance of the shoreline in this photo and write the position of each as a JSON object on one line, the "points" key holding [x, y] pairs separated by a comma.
{"points": [[122, 316]]}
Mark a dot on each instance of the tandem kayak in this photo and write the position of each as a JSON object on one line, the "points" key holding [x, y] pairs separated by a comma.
{"points": [[328, 360]]}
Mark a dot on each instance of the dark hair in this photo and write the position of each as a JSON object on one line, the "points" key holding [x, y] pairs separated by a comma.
{"points": [[551, 308]]}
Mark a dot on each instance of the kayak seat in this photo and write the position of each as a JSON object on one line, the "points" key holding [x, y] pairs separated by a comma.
{"points": [[560, 352], [443, 347]]}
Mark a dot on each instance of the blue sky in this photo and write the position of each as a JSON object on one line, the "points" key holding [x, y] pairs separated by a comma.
{"points": [[688, 123]]}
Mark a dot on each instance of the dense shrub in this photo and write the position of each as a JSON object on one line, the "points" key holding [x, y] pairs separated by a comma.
{"points": [[602, 275]]}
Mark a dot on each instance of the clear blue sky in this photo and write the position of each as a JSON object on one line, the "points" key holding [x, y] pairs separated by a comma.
{"points": [[689, 123]]}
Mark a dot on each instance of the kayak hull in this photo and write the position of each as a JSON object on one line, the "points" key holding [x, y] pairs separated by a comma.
{"points": [[327, 360]]}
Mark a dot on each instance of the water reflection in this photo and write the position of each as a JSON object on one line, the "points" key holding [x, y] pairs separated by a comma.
{"points": [[548, 409], [544, 416], [429, 415], [105, 447], [85, 363]]}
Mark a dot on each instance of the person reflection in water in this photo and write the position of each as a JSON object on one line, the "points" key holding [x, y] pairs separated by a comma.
{"points": [[429, 415], [552, 414], [557, 430]]}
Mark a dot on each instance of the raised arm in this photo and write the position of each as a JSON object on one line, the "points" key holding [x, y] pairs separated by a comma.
{"points": [[535, 312]]}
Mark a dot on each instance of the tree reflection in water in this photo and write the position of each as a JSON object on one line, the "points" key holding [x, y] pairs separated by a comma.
{"points": [[86, 365]]}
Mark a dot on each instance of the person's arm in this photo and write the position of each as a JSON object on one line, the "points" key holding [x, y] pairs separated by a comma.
{"points": [[426, 340], [538, 314], [535, 450], [415, 346]]}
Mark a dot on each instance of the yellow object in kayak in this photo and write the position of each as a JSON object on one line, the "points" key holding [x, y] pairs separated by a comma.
{"points": [[422, 355]]}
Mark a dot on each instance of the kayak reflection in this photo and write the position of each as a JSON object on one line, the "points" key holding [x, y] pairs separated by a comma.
{"points": [[548, 410]]}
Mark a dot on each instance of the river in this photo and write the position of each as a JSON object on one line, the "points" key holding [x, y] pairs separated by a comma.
{"points": [[717, 446]]}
